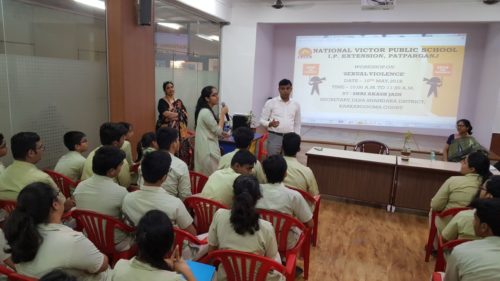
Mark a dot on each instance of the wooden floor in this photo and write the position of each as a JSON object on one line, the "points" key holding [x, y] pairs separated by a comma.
{"points": [[366, 243]]}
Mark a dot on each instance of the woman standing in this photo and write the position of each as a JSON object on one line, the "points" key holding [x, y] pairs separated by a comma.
{"points": [[208, 129], [460, 144]]}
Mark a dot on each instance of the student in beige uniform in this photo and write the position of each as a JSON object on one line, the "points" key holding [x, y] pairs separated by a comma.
{"points": [[71, 163], [154, 238], [155, 167], [219, 186], [3, 152], [146, 145], [4, 256], [27, 150], [126, 146], [243, 137], [277, 197], [458, 191], [38, 214], [479, 260], [297, 175], [110, 134], [100, 193], [241, 229], [461, 225]]}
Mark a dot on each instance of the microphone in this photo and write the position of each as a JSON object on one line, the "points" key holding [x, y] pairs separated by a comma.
{"points": [[227, 114]]}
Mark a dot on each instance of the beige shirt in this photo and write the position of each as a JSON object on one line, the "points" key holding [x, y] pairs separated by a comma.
{"points": [[64, 248], [71, 165], [2, 167], [258, 172], [132, 270], [138, 203], [475, 261], [287, 113], [17, 176], [457, 191], [219, 186], [127, 148], [461, 226], [207, 152], [3, 246], [300, 176], [123, 178]]}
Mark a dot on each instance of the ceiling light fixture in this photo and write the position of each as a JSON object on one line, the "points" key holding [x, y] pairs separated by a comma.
{"points": [[208, 37], [170, 25], [93, 3]]}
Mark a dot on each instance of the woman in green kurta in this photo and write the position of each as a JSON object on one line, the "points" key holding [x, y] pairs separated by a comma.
{"points": [[208, 129], [461, 144]]}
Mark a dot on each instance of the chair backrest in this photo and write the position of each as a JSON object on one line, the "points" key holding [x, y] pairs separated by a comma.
{"points": [[13, 276], [204, 210], [314, 201], [7, 205], [181, 236], [100, 228], [198, 181], [241, 266], [64, 183], [282, 224], [134, 168], [451, 212], [370, 146]]}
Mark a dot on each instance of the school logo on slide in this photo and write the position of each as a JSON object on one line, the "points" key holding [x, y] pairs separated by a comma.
{"points": [[305, 53]]}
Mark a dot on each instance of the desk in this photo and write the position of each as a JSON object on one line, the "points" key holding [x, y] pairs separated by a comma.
{"points": [[355, 175], [418, 180]]}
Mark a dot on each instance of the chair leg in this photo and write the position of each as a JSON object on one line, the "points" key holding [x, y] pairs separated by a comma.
{"points": [[430, 241], [307, 253], [440, 261]]}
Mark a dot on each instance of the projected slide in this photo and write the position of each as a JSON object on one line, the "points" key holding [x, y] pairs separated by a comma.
{"points": [[397, 80]]}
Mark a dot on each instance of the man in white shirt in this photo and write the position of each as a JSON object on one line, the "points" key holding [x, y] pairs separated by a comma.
{"points": [[479, 259], [280, 115]]}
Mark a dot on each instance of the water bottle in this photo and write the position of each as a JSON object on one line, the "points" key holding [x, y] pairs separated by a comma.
{"points": [[433, 155]]}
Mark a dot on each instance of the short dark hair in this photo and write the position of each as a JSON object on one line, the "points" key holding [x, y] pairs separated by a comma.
{"points": [[275, 168], [110, 132], [291, 144], [105, 158], [493, 186], [165, 85], [127, 125], [154, 238], [57, 275], [146, 140], [488, 211], [21, 143], [243, 157], [72, 138], [243, 137], [284, 82], [155, 165], [165, 137], [1, 138]]}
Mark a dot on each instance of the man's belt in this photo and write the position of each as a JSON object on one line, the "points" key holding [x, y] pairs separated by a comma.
{"points": [[275, 133]]}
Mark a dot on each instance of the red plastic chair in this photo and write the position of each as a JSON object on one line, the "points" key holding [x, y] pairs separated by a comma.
{"points": [[442, 248], [282, 225], [241, 266], [370, 146], [262, 152], [14, 276], [204, 210], [433, 230], [134, 168], [436, 276], [7, 205], [99, 229], [198, 181], [315, 201], [64, 183], [181, 236]]}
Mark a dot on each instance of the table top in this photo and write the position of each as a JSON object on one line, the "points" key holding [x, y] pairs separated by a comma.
{"points": [[352, 155], [430, 164]]}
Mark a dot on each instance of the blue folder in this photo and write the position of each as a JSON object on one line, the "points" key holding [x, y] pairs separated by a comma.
{"points": [[201, 271]]}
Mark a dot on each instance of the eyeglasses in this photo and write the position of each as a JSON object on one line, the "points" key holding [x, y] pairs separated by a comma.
{"points": [[460, 125], [41, 147]]}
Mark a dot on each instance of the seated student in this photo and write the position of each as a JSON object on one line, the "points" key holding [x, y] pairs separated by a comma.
{"points": [[40, 243], [126, 146], [297, 175], [57, 275], [461, 226], [478, 260], [243, 137], [219, 186], [146, 145], [3, 152], [277, 197], [100, 193], [110, 134], [241, 229], [4, 256], [27, 150], [154, 238], [71, 163], [155, 167], [458, 191]]}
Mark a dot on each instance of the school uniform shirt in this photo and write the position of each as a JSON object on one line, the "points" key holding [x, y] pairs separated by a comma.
{"points": [[3, 246], [258, 172], [102, 195], [178, 183], [2, 167], [71, 165], [66, 249], [475, 261], [123, 177], [17, 176], [221, 234], [137, 204], [134, 269], [219, 186], [300, 176], [461, 226], [127, 148], [207, 152]]}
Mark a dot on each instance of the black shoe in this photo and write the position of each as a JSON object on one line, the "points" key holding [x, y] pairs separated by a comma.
{"points": [[298, 271]]}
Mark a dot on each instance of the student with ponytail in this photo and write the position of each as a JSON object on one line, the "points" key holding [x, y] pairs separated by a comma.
{"points": [[39, 243], [241, 229]]}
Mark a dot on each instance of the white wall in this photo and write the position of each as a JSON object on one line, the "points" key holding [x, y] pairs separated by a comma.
{"points": [[220, 9]]}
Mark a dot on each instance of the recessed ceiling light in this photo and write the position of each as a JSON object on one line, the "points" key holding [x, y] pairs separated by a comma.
{"points": [[93, 3], [170, 25]]}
